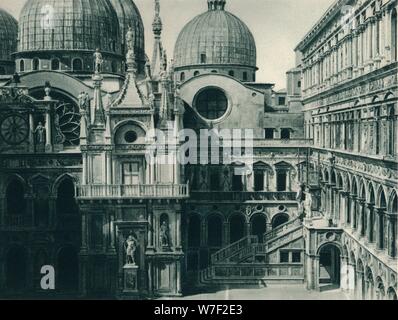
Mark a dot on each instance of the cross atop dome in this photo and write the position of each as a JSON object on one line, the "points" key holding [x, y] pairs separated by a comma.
{"points": [[216, 4]]}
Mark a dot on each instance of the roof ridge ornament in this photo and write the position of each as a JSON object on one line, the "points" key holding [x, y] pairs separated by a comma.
{"points": [[216, 4]]}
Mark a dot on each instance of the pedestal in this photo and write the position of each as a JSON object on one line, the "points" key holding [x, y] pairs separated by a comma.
{"points": [[130, 273]]}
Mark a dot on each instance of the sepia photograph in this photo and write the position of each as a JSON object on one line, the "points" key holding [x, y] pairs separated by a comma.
{"points": [[198, 150]]}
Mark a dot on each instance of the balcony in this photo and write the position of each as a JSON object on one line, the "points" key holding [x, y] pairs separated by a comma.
{"points": [[215, 196], [18, 221], [115, 192]]}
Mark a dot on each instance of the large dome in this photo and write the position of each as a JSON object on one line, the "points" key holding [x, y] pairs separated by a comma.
{"points": [[8, 36], [129, 16], [69, 25], [215, 37]]}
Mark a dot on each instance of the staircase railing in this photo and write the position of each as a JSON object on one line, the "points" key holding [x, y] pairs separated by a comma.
{"points": [[281, 229], [233, 248]]}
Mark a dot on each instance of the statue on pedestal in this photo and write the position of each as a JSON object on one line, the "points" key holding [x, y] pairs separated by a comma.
{"points": [[98, 61], [164, 235], [131, 245], [40, 134], [308, 203], [130, 39]]}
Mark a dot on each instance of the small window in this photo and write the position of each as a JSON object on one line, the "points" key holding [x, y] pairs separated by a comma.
{"points": [[77, 65], [284, 257], [231, 73], [22, 66], [214, 71], [244, 76], [237, 184], [55, 64], [269, 133], [35, 64], [131, 173], [2, 71], [203, 58], [299, 84], [285, 134], [196, 73], [281, 101], [296, 257], [114, 66], [182, 76]]}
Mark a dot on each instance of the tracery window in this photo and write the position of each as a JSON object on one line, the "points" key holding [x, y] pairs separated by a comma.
{"points": [[212, 104]]}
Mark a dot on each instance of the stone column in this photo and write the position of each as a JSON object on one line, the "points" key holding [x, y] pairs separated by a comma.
{"points": [[354, 215], [351, 281], [361, 205], [380, 227], [48, 132], [370, 224], [178, 231], [392, 234], [225, 238], [31, 133], [387, 34]]}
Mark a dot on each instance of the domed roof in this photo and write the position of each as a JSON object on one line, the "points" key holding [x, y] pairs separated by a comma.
{"points": [[69, 25], [215, 37], [129, 16], [8, 35]]}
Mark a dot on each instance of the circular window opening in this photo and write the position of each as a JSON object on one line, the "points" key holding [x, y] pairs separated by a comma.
{"points": [[282, 208], [212, 104], [130, 137]]}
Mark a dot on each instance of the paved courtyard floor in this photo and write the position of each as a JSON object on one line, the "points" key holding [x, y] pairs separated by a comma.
{"points": [[273, 292]]}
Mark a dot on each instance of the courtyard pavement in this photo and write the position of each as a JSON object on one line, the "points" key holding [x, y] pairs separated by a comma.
{"points": [[272, 292]]}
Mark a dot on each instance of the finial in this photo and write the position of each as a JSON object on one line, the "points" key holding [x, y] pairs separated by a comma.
{"points": [[157, 21], [216, 4]]}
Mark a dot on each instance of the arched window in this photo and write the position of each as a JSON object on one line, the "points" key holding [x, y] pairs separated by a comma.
{"points": [[55, 65], [214, 71], [66, 202], [182, 76], [22, 66], [77, 65], [41, 202], [394, 35], [15, 200], [35, 64], [214, 231], [231, 73], [196, 73]]}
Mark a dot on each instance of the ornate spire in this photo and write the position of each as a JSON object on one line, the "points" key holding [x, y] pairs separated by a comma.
{"points": [[158, 47], [157, 21], [216, 4]]}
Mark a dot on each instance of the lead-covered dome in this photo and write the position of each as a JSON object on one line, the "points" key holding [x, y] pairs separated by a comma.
{"points": [[216, 37], [8, 41], [69, 25], [129, 16]]}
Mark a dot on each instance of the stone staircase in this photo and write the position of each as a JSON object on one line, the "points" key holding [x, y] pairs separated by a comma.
{"points": [[246, 262]]}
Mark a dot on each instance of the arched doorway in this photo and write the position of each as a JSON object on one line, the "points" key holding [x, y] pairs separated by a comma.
{"points": [[329, 267], [214, 231], [360, 281], [279, 219], [66, 203], [236, 228], [392, 295], [194, 225], [369, 284], [258, 226], [68, 270], [16, 268]]}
